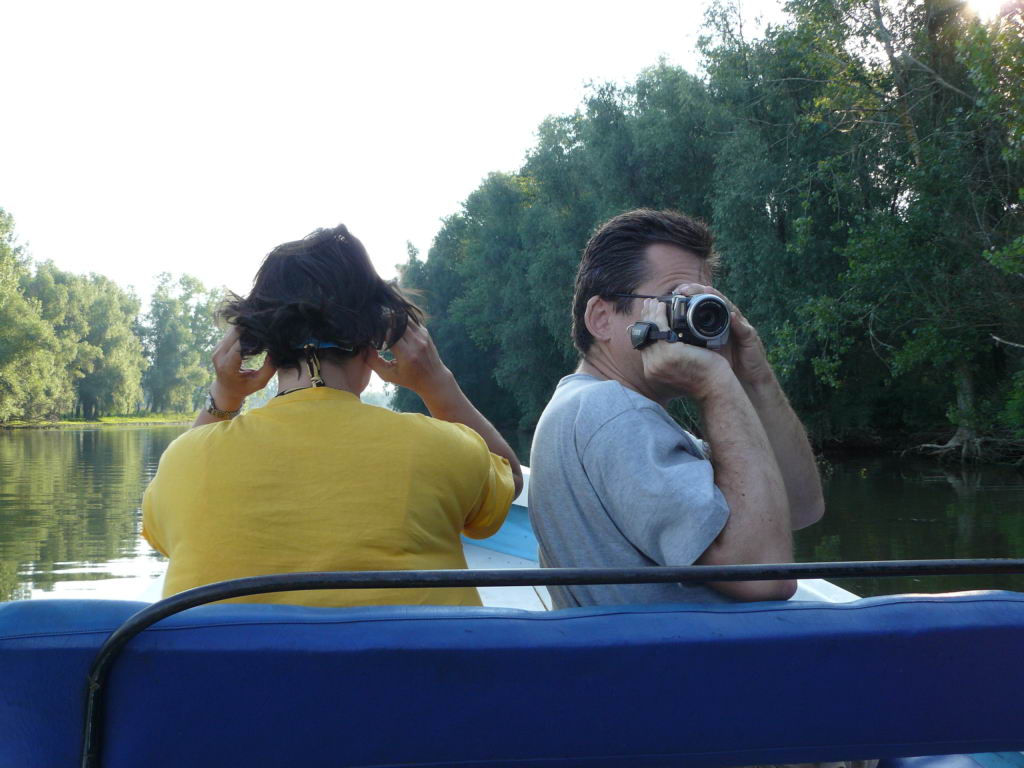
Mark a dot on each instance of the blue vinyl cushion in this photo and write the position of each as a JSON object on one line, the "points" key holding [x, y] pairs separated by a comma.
{"points": [[266, 685]]}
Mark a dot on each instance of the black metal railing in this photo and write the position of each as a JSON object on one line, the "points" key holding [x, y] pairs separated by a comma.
{"points": [[99, 672]]}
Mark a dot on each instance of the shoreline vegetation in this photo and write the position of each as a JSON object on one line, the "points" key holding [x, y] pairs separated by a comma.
{"points": [[861, 166], [138, 420]]}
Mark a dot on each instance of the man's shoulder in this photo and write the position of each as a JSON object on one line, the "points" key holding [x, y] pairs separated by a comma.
{"points": [[585, 405], [600, 397], [608, 407]]}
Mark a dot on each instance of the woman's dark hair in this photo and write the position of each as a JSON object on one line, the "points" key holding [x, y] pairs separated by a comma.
{"points": [[615, 259], [321, 288]]}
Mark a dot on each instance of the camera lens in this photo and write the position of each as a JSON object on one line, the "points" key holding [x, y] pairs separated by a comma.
{"points": [[710, 317]]}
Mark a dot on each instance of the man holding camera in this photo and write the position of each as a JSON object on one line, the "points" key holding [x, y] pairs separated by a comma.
{"points": [[615, 481]]}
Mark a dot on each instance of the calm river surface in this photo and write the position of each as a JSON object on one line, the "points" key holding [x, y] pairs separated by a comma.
{"points": [[70, 519]]}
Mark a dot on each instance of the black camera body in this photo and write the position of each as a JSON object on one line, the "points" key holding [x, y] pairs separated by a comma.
{"points": [[701, 320]]}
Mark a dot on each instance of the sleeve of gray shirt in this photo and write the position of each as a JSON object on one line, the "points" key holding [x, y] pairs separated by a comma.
{"points": [[662, 496]]}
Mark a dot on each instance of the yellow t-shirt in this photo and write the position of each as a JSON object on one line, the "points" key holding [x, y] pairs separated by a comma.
{"points": [[318, 481]]}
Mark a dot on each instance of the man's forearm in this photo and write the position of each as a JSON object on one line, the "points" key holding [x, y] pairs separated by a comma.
{"points": [[792, 451], [758, 529], [748, 475]]}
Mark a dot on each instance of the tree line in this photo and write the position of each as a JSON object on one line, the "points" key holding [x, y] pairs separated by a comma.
{"points": [[79, 346], [862, 167]]}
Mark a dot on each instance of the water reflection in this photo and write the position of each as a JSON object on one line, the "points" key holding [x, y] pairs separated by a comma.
{"points": [[906, 509], [69, 515], [69, 507]]}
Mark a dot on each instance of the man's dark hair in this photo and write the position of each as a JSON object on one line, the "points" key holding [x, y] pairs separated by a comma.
{"points": [[322, 287], [614, 260]]}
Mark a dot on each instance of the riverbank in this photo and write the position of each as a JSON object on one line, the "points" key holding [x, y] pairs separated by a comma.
{"points": [[145, 420]]}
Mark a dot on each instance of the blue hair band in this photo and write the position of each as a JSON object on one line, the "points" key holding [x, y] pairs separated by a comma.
{"points": [[326, 345]]}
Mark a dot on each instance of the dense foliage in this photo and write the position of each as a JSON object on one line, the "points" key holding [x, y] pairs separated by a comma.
{"points": [[862, 166], [75, 345]]}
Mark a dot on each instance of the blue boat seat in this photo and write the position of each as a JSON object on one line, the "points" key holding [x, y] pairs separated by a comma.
{"points": [[748, 684]]}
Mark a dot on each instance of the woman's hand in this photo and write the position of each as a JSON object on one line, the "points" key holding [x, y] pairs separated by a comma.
{"points": [[416, 365], [234, 383]]}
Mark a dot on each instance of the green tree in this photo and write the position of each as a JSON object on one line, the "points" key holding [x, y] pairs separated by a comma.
{"points": [[179, 334], [115, 385], [434, 284], [94, 321], [861, 166], [31, 382], [505, 295], [920, 287]]}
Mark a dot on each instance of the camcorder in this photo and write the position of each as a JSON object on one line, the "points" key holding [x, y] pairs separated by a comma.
{"points": [[701, 320]]}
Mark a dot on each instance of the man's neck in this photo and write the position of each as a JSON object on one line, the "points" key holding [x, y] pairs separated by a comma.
{"points": [[590, 369], [602, 367]]}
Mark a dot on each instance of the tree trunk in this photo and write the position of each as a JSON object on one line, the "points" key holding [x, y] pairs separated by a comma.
{"points": [[899, 74], [966, 436]]}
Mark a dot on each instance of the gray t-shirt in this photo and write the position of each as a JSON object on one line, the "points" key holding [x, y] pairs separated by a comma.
{"points": [[616, 483]]}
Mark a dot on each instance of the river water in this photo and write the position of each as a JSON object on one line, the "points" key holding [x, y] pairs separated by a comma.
{"points": [[70, 520]]}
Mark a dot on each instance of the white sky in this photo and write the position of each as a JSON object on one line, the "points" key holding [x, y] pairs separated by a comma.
{"points": [[193, 137]]}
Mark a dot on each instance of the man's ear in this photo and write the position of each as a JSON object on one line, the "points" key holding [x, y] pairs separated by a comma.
{"points": [[598, 318]]}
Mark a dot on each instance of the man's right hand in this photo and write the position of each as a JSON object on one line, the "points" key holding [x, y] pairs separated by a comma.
{"points": [[675, 369], [758, 529]]}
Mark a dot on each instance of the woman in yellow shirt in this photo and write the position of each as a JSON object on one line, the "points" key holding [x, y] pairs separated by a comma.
{"points": [[317, 480]]}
